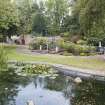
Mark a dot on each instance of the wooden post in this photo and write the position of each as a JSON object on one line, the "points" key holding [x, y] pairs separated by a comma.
{"points": [[40, 47], [100, 45], [56, 49]]}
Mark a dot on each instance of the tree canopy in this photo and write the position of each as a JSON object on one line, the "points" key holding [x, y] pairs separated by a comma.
{"points": [[91, 14], [52, 17], [8, 18]]}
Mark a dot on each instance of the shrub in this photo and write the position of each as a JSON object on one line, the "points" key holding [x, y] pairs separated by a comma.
{"points": [[83, 54], [92, 54], [2, 38], [67, 54], [35, 45], [66, 34], [83, 49], [80, 49], [77, 49], [82, 42], [3, 59], [69, 47], [60, 43]]}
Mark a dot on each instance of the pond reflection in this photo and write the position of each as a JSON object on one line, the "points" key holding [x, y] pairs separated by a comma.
{"points": [[9, 82], [17, 90], [89, 93]]}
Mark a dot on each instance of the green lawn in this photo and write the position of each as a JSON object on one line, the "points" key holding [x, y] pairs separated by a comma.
{"points": [[81, 62]]}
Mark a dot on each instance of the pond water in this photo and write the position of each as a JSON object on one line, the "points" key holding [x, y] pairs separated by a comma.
{"points": [[17, 90]]}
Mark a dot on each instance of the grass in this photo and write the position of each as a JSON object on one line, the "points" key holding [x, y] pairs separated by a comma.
{"points": [[80, 62]]}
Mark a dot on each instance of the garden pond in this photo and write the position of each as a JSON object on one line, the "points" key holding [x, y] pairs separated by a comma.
{"points": [[48, 89]]}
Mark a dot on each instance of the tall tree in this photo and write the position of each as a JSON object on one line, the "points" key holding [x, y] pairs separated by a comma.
{"points": [[39, 19], [56, 10], [25, 15], [8, 18], [91, 17]]}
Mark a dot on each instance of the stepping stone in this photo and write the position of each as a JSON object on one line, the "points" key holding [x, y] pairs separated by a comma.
{"points": [[78, 80], [30, 103]]}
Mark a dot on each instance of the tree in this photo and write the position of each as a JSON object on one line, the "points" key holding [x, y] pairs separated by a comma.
{"points": [[56, 10], [25, 13], [39, 24], [39, 19], [91, 17], [8, 18], [71, 25]]}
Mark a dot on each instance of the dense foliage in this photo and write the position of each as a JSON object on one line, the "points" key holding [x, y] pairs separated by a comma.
{"points": [[83, 18], [77, 49], [65, 47], [41, 41], [3, 59], [91, 15], [8, 18]]}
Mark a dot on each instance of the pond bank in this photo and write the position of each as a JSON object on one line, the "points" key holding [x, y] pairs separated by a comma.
{"points": [[73, 71]]}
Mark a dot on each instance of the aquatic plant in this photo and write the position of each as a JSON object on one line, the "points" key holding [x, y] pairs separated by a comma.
{"points": [[39, 69]]}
